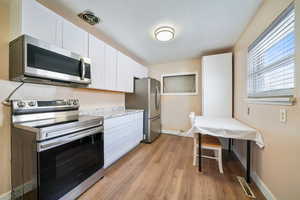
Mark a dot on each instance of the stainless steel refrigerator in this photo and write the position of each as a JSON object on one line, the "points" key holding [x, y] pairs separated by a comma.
{"points": [[146, 96]]}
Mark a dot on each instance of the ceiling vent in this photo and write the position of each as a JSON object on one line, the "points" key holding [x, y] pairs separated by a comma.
{"points": [[89, 17]]}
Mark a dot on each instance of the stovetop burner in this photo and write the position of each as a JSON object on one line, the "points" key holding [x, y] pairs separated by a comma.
{"points": [[49, 119]]}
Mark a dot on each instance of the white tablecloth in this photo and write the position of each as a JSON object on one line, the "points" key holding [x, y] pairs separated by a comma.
{"points": [[226, 128]]}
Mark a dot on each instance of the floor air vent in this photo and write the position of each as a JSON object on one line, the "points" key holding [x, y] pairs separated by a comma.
{"points": [[246, 187]]}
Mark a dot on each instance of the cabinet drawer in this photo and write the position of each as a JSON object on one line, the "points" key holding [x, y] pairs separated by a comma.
{"points": [[118, 121], [140, 115]]}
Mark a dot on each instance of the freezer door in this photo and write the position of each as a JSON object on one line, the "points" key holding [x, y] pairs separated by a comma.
{"points": [[154, 129], [154, 98]]}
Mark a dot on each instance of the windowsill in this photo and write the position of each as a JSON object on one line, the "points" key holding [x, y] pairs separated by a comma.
{"points": [[179, 94], [285, 101]]}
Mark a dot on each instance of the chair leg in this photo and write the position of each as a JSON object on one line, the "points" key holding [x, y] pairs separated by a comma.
{"points": [[220, 161], [216, 153], [195, 152]]}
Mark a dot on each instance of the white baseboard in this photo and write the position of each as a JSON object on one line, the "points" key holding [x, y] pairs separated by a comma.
{"points": [[5, 196], [257, 180], [27, 187], [176, 132]]}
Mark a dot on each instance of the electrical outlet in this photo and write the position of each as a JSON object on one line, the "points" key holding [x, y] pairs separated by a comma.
{"points": [[248, 111], [283, 116]]}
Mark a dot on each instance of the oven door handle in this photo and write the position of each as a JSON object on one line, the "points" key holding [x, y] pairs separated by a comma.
{"points": [[67, 139]]}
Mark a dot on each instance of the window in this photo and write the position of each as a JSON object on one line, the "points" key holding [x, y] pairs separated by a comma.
{"points": [[271, 59], [179, 84]]}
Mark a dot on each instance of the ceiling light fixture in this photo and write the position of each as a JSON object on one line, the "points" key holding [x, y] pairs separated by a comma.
{"points": [[164, 33]]}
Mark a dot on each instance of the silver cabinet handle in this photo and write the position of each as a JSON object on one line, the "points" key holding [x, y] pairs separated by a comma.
{"points": [[82, 68]]}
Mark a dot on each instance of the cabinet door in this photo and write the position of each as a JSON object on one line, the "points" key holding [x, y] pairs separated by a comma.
{"points": [[136, 69], [74, 39], [140, 126], [110, 68], [139, 71], [35, 20], [125, 73], [97, 55], [120, 136], [144, 71]]}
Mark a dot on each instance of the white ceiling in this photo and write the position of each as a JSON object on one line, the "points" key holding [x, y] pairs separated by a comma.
{"points": [[201, 25]]}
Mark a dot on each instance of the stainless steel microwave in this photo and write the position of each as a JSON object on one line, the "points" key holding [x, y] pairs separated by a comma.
{"points": [[35, 61]]}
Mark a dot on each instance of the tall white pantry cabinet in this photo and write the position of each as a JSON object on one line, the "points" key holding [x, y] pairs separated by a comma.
{"points": [[217, 85]]}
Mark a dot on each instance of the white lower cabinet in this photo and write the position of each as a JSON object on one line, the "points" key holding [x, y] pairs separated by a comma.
{"points": [[121, 134]]}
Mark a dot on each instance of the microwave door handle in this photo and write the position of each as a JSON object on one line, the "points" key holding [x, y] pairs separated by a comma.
{"points": [[82, 68]]}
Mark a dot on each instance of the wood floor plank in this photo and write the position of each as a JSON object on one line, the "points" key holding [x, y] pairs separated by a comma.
{"points": [[163, 170]]}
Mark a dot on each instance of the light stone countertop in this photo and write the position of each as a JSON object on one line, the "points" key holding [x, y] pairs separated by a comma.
{"points": [[109, 113]]}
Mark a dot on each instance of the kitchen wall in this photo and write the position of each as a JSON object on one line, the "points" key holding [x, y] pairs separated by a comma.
{"points": [[278, 164], [176, 109], [88, 98]]}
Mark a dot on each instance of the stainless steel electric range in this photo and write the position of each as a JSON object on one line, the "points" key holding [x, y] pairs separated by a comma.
{"points": [[56, 153]]}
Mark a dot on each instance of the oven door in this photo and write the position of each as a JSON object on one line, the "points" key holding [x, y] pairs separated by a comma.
{"points": [[66, 162], [47, 61]]}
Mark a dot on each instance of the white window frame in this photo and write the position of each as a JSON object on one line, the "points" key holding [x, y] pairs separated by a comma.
{"points": [[179, 74], [284, 97]]}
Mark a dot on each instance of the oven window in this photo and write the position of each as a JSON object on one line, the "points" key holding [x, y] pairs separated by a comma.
{"points": [[63, 168], [40, 58]]}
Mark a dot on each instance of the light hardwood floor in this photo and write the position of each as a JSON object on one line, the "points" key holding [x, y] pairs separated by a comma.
{"points": [[163, 170]]}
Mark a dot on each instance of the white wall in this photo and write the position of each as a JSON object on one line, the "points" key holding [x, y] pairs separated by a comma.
{"points": [[175, 109], [278, 164]]}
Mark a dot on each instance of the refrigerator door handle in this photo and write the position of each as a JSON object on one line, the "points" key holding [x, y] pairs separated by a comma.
{"points": [[157, 98]]}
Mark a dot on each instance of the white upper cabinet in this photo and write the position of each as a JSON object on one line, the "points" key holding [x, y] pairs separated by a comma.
{"points": [[139, 71], [74, 39], [110, 68], [97, 55], [125, 73], [31, 18]]}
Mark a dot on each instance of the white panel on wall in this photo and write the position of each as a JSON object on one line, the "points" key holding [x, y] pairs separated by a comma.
{"points": [[217, 85]]}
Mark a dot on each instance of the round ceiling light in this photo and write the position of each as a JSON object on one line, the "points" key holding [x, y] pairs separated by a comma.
{"points": [[164, 33]]}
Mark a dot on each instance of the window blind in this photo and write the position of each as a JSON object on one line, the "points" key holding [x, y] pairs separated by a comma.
{"points": [[271, 58]]}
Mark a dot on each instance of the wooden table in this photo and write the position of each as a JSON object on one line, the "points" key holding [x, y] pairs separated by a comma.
{"points": [[227, 128]]}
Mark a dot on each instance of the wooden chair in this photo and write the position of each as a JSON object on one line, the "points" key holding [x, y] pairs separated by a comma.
{"points": [[210, 143]]}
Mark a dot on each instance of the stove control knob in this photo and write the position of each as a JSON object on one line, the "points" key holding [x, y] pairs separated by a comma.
{"points": [[32, 103], [75, 102], [69, 102], [21, 104]]}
